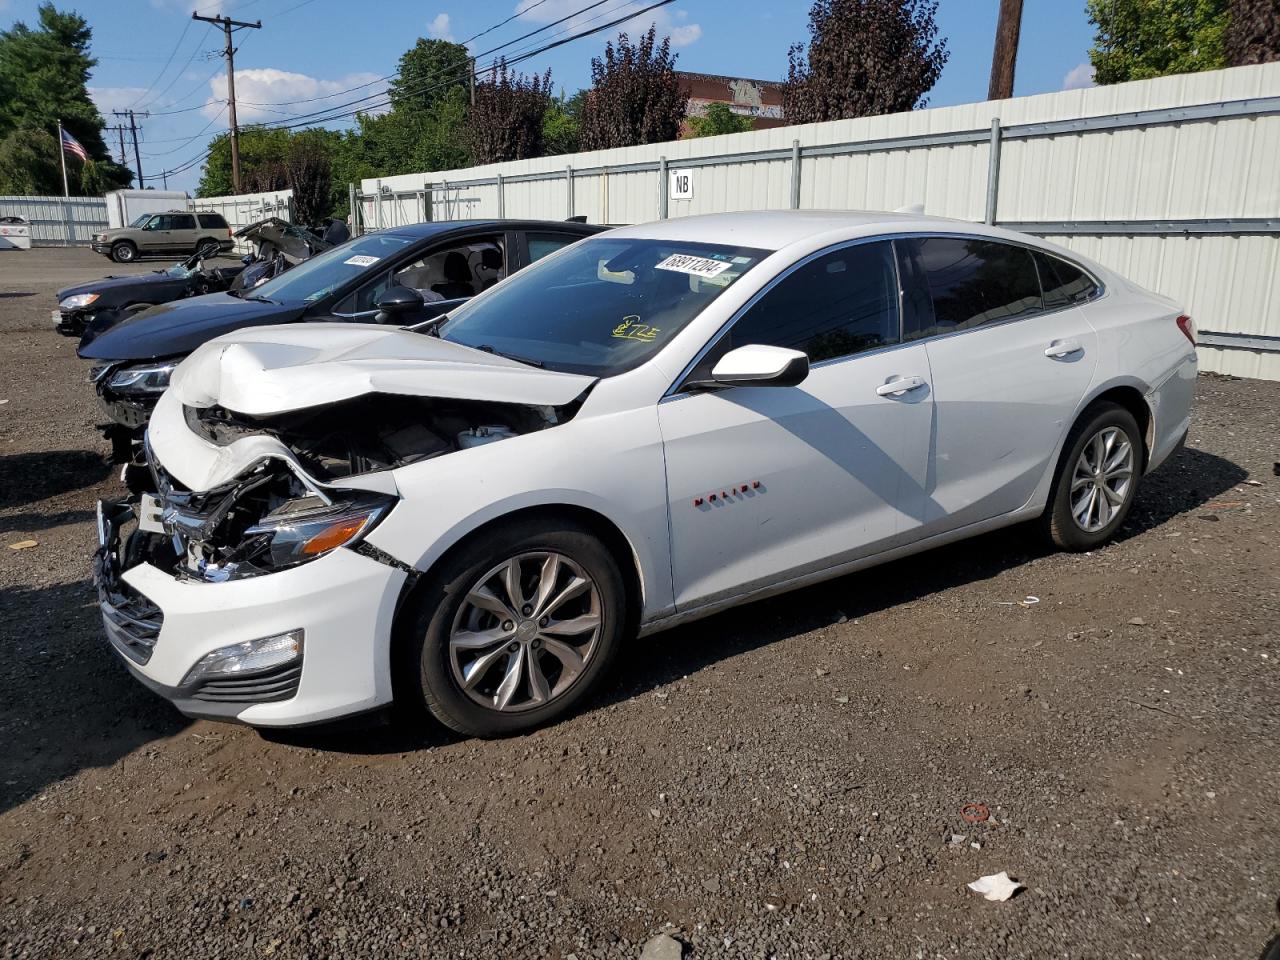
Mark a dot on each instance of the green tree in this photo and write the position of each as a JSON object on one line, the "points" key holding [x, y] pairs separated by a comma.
{"points": [[717, 120], [865, 58], [562, 124], [29, 164], [44, 74], [428, 71], [1140, 39], [261, 149]]}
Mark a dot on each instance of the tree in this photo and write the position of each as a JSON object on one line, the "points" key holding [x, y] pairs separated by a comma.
{"points": [[1140, 39], [506, 118], [1253, 32], [865, 58], [717, 120], [562, 124], [262, 155], [635, 95], [44, 75], [428, 71], [29, 164], [308, 171]]}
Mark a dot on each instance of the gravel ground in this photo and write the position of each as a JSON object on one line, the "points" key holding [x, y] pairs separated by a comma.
{"points": [[784, 780]]}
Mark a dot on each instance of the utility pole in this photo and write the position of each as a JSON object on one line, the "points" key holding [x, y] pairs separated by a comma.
{"points": [[228, 25], [133, 130], [1005, 55], [472, 80], [124, 161]]}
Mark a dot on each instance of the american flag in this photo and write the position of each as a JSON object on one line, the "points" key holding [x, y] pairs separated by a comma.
{"points": [[71, 145]]}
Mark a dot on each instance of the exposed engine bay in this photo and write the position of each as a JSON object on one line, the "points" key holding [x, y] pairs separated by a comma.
{"points": [[278, 513], [378, 431]]}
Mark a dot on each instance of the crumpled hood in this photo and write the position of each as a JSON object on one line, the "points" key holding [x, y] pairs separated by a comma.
{"points": [[270, 370]]}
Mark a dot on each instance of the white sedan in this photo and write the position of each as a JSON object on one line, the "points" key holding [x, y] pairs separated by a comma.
{"points": [[474, 515]]}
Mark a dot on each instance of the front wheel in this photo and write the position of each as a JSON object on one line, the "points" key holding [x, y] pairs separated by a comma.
{"points": [[208, 249], [520, 625], [124, 252], [1097, 478]]}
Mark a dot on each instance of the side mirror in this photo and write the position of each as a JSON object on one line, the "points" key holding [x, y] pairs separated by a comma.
{"points": [[399, 304], [760, 365]]}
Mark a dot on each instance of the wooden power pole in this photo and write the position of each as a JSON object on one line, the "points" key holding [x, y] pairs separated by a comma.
{"points": [[133, 131], [228, 25], [1005, 55]]}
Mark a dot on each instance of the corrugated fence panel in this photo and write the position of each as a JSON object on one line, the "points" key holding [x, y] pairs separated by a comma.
{"points": [[58, 221], [1156, 158]]}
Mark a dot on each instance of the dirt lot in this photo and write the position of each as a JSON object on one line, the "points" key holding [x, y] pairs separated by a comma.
{"points": [[785, 780]]}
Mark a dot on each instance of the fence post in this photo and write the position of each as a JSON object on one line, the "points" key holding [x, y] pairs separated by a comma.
{"points": [[662, 188], [428, 202], [502, 199], [352, 196], [993, 171], [568, 185], [795, 174]]}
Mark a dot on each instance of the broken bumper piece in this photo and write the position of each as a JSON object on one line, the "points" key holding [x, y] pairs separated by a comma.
{"points": [[295, 647]]}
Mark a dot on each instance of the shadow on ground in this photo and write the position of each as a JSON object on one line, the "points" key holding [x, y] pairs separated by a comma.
{"points": [[66, 702], [31, 477], [1186, 483]]}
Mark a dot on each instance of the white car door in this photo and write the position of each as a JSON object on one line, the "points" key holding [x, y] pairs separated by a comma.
{"points": [[1010, 358], [770, 483]]}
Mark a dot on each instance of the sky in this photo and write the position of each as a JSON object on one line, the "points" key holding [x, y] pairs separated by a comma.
{"points": [[153, 57]]}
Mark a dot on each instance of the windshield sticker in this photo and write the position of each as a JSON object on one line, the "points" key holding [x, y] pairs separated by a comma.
{"points": [[361, 260], [632, 329], [698, 266]]}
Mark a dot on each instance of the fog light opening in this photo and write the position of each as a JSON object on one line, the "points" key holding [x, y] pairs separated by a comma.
{"points": [[250, 656]]}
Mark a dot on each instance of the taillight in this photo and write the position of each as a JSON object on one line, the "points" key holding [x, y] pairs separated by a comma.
{"points": [[1188, 328]]}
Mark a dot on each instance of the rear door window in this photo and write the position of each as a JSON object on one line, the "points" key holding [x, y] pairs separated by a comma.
{"points": [[968, 283], [182, 221]]}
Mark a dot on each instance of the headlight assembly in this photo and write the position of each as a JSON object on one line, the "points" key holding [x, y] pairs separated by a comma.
{"points": [[306, 528], [78, 302], [143, 378]]}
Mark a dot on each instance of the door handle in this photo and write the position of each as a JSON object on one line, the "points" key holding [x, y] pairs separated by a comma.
{"points": [[1063, 348], [899, 386]]}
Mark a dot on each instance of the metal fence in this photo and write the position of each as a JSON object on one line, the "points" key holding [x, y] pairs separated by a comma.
{"points": [[58, 221], [1173, 182]]}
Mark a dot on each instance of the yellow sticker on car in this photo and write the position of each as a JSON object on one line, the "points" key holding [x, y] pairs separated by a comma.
{"points": [[632, 329]]}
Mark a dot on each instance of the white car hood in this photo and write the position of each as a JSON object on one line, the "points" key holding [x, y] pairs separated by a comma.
{"points": [[269, 370]]}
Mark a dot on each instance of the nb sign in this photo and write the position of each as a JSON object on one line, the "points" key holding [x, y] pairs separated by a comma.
{"points": [[681, 184]]}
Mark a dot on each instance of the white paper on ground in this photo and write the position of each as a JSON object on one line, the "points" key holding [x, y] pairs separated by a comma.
{"points": [[997, 887]]}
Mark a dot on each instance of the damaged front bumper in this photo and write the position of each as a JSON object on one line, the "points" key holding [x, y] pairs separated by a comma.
{"points": [[162, 624]]}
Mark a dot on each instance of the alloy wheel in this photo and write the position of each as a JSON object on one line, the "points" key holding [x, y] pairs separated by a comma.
{"points": [[1102, 479], [525, 632]]}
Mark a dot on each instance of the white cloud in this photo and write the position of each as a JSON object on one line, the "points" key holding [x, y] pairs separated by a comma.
{"points": [[439, 28], [270, 94], [107, 99], [206, 8], [1078, 77], [676, 26]]}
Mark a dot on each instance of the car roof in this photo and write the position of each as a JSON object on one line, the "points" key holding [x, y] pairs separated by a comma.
{"points": [[419, 231], [777, 229]]}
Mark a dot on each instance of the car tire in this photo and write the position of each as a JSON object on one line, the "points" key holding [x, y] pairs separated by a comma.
{"points": [[208, 249], [1097, 478], [124, 252], [451, 672]]}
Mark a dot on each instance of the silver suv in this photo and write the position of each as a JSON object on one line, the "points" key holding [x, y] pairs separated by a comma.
{"points": [[160, 234]]}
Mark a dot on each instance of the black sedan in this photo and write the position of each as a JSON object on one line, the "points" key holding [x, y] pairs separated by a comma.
{"points": [[401, 275]]}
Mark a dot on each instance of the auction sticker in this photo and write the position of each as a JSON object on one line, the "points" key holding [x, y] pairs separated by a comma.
{"points": [[361, 260], [698, 266]]}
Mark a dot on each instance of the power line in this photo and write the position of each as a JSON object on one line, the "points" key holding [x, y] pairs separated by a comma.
{"points": [[309, 120], [228, 26], [518, 13], [190, 60], [183, 141], [185, 27]]}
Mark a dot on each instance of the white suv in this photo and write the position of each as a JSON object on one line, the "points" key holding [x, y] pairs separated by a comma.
{"points": [[640, 429]]}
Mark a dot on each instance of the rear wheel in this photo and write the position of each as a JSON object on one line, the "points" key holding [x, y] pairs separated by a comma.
{"points": [[124, 252], [517, 628], [1097, 478]]}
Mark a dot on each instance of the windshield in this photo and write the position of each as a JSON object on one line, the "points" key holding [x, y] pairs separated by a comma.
{"points": [[316, 278], [140, 220], [602, 306]]}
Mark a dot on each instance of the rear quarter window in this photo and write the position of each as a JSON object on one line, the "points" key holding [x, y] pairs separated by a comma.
{"points": [[1064, 283], [212, 221]]}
